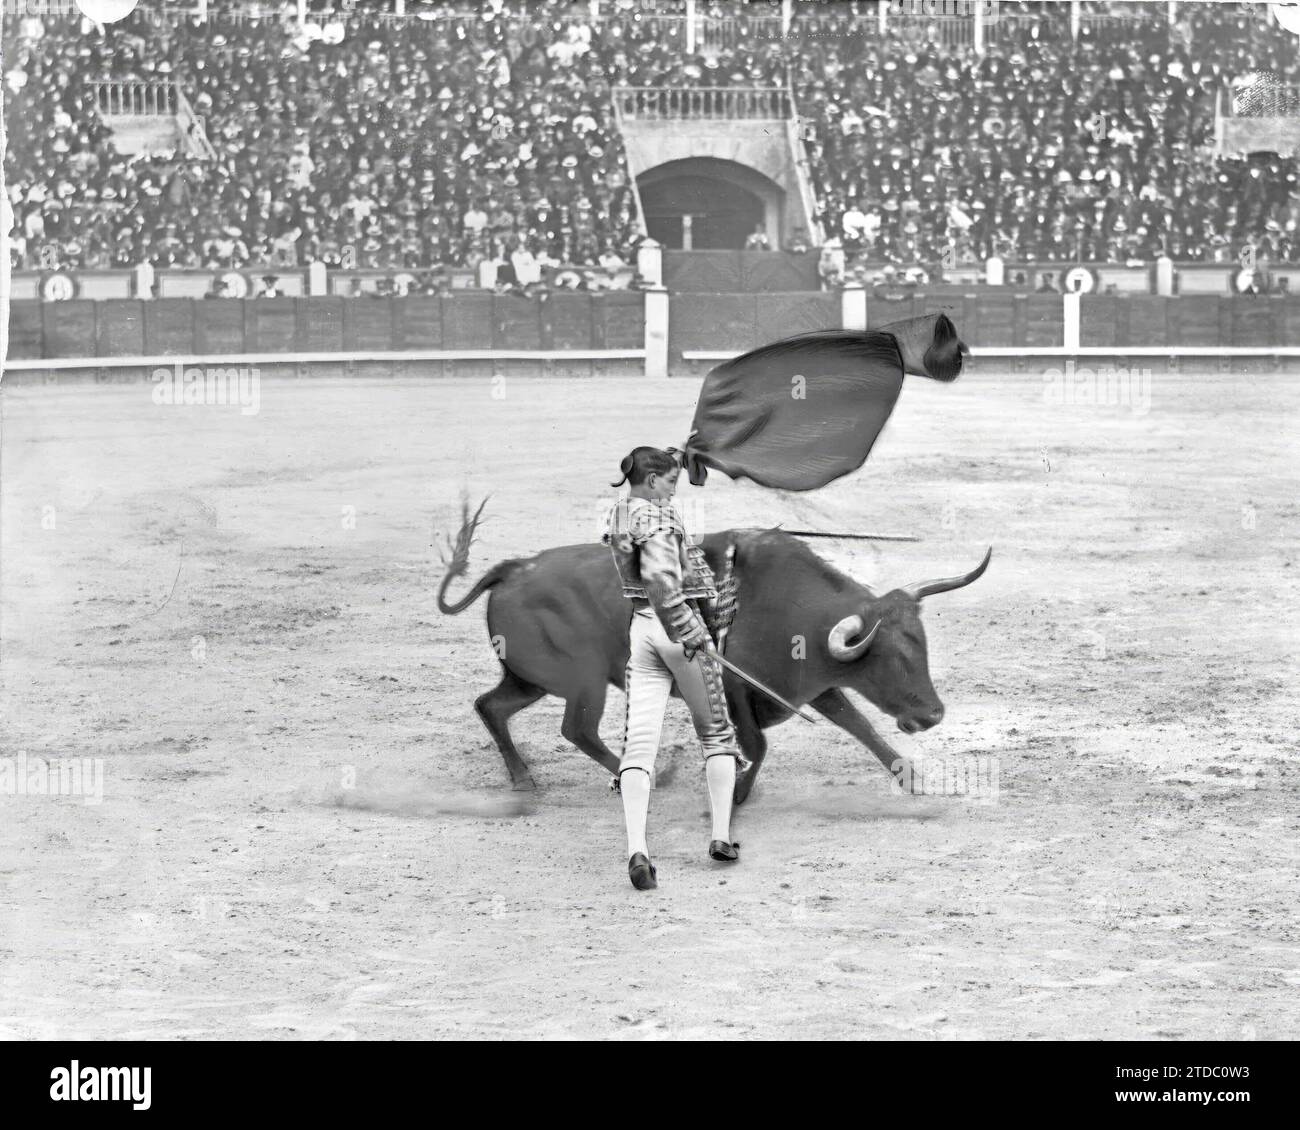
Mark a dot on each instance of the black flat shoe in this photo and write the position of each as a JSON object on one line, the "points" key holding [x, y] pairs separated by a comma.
{"points": [[642, 872], [723, 852]]}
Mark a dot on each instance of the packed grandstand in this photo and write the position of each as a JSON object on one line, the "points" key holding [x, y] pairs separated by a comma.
{"points": [[459, 133]]}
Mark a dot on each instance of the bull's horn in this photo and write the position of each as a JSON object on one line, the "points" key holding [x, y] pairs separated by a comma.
{"points": [[846, 629], [947, 584]]}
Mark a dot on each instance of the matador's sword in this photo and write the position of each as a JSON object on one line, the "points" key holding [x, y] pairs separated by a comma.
{"points": [[753, 682]]}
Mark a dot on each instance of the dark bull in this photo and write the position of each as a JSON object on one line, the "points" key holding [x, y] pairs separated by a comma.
{"points": [[559, 623]]}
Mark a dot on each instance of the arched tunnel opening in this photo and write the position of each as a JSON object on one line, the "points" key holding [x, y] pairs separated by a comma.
{"points": [[691, 212]]}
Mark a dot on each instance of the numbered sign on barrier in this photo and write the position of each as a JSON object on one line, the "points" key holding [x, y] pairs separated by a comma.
{"points": [[1250, 280], [1079, 280], [232, 284], [58, 286]]}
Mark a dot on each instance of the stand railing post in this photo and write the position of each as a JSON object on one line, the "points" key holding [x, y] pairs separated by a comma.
{"points": [[853, 307], [656, 332], [650, 262], [1070, 318]]}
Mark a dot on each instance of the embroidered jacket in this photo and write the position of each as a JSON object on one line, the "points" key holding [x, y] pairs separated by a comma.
{"points": [[655, 556]]}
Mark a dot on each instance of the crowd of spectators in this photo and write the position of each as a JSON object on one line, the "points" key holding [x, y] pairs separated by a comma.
{"points": [[1045, 146], [489, 136], [401, 145]]}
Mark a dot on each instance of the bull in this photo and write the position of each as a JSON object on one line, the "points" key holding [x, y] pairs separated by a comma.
{"points": [[559, 624]]}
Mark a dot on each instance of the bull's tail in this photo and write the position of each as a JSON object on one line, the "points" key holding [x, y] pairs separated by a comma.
{"points": [[491, 578], [458, 563]]}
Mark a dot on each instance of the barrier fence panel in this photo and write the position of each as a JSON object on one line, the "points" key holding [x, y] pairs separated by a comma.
{"points": [[367, 325], [572, 325], [219, 327], [1044, 321], [783, 315], [711, 321], [320, 323], [169, 327], [467, 323], [417, 323], [739, 322], [69, 328], [1286, 321], [997, 321], [1193, 321], [271, 325], [1097, 318], [622, 319], [1250, 322], [1148, 320], [515, 323], [26, 329], [120, 331]]}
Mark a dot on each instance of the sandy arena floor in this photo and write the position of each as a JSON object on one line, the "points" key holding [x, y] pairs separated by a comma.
{"points": [[305, 831]]}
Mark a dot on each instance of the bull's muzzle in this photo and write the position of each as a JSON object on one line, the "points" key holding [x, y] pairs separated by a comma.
{"points": [[921, 720]]}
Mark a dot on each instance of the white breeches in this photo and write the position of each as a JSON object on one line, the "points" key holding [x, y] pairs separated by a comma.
{"points": [[654, 665]]}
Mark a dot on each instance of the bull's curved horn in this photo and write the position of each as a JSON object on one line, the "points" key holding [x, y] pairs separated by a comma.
{"points": [[947, 584], [846, 629]]}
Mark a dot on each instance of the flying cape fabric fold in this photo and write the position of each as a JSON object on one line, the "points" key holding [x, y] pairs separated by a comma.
{"points": [[799, 413]]}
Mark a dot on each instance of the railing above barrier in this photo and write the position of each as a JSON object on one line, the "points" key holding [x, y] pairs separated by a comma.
{"points": [[127, 97], [41, 7], [1265, 99], [710, 103], [954, 24]]}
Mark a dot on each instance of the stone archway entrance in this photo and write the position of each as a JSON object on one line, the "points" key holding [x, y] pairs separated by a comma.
{"points": [[705, 203]]}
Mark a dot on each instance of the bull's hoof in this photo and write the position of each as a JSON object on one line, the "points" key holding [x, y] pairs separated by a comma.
{"points": [[642, 872], [723, 852], [524, 784]]}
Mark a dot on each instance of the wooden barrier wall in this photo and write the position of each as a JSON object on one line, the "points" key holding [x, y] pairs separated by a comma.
{"points": [[1244, 320], [742, 321], [187, 326], [998, 318], [568, 321]]}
